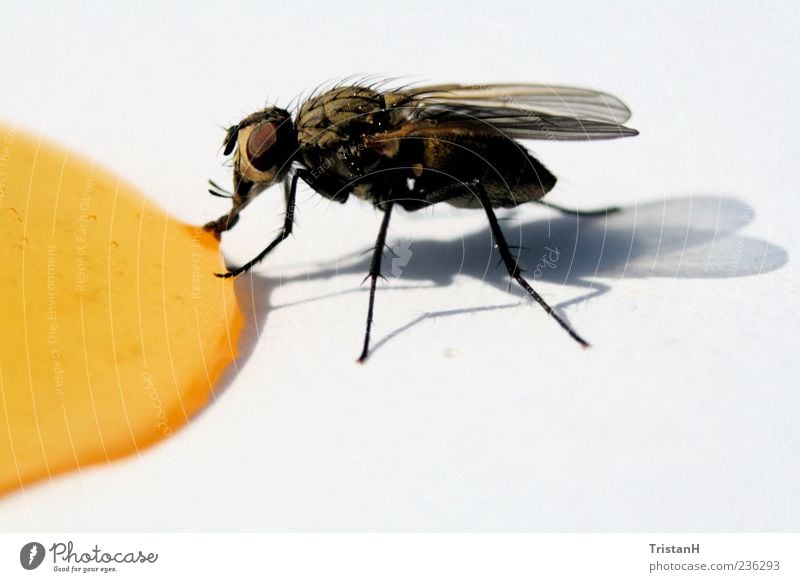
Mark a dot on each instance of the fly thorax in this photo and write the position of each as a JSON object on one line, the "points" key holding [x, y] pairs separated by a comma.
{"points": [[331, 129]]}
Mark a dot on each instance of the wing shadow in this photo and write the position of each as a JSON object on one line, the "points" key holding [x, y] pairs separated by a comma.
{"points": [[693, 237]]}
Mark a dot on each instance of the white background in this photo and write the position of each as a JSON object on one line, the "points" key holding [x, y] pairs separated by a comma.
{"points": [[476, 412]]}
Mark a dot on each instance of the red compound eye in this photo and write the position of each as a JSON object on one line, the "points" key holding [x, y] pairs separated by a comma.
{"points": [[259, 145]]}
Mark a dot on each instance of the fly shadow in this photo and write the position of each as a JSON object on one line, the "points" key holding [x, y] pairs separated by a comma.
{"points": [[692, 237]]}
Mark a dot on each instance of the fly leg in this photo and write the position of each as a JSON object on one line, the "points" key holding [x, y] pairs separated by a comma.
{"points": [[374, 274], [241, 198], [580, 213], [513, 267], [225, 222], [288, 221]]}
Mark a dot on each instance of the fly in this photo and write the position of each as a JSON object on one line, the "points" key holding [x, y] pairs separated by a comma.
{"points": [[414, 147]]}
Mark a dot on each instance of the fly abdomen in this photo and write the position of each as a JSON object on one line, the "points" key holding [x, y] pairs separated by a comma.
{"points": [[448, 169]]}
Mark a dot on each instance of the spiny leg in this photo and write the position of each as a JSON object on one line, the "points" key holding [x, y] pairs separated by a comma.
{"points": [[374, 274], [288, 221], [513, 267], [580, 213]]}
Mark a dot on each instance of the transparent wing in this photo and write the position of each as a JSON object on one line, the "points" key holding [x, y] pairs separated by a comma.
{"points": [[525, 111], [553, 100]]}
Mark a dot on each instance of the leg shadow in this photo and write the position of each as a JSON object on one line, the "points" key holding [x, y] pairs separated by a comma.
{"points": [[693, 237]]}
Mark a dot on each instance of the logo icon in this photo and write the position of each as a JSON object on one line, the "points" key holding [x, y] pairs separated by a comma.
{"points": [[31, 555], [402, 254]]}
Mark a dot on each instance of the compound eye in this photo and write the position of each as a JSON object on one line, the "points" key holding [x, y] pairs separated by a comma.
{"points": [[259, 145]]}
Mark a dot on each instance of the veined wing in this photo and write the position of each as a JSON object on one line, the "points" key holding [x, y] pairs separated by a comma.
{"points": [[555, 100], [524, 111]]}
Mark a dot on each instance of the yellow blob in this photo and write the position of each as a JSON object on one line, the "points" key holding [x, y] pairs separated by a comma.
{"points": [[114, 328]]}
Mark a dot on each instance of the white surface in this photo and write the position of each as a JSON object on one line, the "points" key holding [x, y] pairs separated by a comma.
{"points": [[476, 412]]}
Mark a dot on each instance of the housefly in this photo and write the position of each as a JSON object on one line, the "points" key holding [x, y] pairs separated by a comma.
{"points": [[414, 147]]}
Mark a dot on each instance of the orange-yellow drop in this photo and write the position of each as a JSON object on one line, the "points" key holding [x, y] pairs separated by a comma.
{"points": [[114, 328]]}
